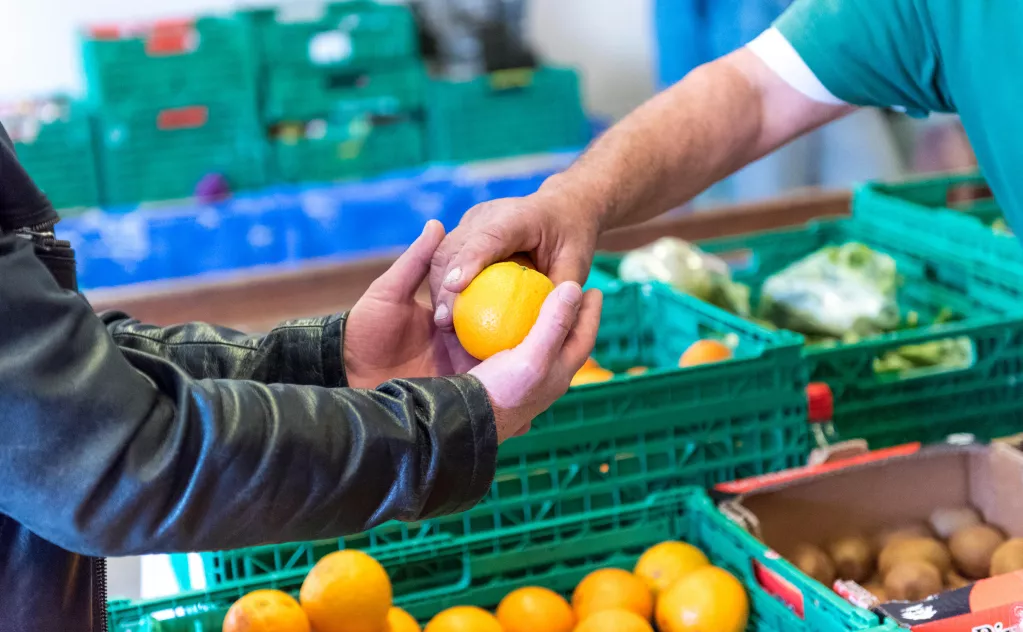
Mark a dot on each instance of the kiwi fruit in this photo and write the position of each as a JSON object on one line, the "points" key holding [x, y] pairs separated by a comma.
{"points": [[912, 580], [910, 530], [920, 549], [815, 563], [954, 580], [1008, 557], [853, 557], [947, 520], [972, 548]]}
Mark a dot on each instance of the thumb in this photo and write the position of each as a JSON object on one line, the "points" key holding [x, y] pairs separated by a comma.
{"points": [[403, 278], [557, 317]]}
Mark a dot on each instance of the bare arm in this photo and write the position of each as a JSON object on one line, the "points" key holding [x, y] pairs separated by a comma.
{"points": [[721, 117]]}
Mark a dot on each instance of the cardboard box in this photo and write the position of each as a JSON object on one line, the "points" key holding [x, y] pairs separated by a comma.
{"points": [[889, 488]]}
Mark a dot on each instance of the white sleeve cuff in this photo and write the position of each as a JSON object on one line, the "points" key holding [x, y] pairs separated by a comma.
{"points": [[780, 56]]}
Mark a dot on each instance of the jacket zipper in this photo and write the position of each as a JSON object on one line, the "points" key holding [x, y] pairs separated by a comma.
{"points": [[99, 592]]}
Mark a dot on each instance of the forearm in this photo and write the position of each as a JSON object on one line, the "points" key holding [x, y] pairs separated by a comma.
{"points": [[721, 117]]}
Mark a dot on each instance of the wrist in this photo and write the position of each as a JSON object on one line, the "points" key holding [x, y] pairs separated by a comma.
{"points": [[582, 200]]}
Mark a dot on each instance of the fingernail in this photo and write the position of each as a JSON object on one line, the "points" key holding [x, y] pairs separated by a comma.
{"points": [[441, 313], [571, 293], [453, 276]]}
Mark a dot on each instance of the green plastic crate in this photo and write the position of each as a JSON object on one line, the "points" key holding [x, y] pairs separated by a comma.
{"points": [[984, 398], [356, 33], [162, 153], [947, 214], [607, 444], [556, 552], [509, 113], [302, 95], [159, 62], [359, 147], [53, 140]]}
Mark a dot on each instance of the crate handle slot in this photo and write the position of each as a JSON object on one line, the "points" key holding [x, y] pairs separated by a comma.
{"points": [[340, 80], [963, 195], [192, 117]]}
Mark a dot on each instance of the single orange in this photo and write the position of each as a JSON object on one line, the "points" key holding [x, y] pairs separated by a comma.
{"points": [[498, 308], [400, 621], [614, 621], [709, 598], [464, 619], [347, 591], [664, 564], [591, 363], [637, 370], [705, 352], [266, 611], [591, 376], [612, 589], [534, 609]]}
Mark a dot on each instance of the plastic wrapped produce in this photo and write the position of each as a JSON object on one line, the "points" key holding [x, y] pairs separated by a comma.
{"points": [[837, 292], [687, 268]]}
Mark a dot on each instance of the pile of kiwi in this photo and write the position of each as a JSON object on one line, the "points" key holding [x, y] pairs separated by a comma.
{"points": [[914, 561]]}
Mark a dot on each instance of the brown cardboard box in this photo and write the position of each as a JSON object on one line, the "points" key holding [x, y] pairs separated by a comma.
{"points": [[886, 489]]}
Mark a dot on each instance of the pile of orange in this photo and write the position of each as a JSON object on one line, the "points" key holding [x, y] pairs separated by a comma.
{"points": [[700, 352], [673, 584]]}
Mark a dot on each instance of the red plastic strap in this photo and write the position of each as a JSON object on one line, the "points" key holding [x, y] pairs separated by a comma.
{"points": [[171, 37], [820, 402], [782, 589], [183, 118]]}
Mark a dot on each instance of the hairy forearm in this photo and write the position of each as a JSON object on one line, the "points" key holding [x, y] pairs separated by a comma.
{"points": [[721, 117]]}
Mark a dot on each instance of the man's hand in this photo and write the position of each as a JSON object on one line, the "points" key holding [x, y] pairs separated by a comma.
{"points": [[557, 229], [389, 334], [523, 382]]}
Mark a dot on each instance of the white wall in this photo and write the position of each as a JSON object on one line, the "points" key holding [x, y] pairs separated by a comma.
{"points": [[610, 40]]}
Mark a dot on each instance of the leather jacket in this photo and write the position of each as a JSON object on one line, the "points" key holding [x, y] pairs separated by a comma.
{"points": [[118, 438]]}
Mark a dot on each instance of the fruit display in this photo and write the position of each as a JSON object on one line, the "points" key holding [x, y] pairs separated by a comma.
{"points": [[701, 352], [672, 584], [913, 561]]}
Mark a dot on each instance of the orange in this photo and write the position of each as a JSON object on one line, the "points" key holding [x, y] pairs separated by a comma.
{"points": [[612, 589], [706, 599], [591, 376], [637, 370], [522, 259], [664, 564], [464, 619], [705, 352], [591, 363], [400, 621], [534, 609], [347, 591], [614, 621], [498, 308], [266, 611]]}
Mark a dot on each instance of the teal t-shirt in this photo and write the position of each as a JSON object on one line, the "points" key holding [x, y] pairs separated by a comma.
{"points": [[963, 56]]}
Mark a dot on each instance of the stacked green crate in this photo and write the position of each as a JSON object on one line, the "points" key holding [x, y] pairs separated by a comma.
{"points": [[342, 88], [176, 101], [506, 113], [53, 140]]}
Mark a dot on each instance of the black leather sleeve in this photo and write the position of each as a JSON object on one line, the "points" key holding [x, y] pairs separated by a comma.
{"points": [[114, 451], [306, 351]]}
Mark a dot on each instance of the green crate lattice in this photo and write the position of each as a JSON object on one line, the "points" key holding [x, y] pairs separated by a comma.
{"points": [[164, 62], [985, 398], [555, 552], [603, 445], [490, 117]]}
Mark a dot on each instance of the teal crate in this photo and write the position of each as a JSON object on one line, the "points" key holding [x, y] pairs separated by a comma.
{"points": [[508, 113], [947, 215], [53, 140], [355, 33], [984, 398], [556, 552], [359, 147], [161, 62], [606, 444], [302, 95], [152, 153]]}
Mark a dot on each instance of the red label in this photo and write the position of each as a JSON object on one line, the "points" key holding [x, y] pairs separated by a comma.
{"points": [[182, 118], [775, 584], [171, 38], [1000, 619], [758, 482]]}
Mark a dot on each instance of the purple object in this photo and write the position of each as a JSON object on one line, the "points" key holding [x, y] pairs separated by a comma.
{"points": [[212, 188]]}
